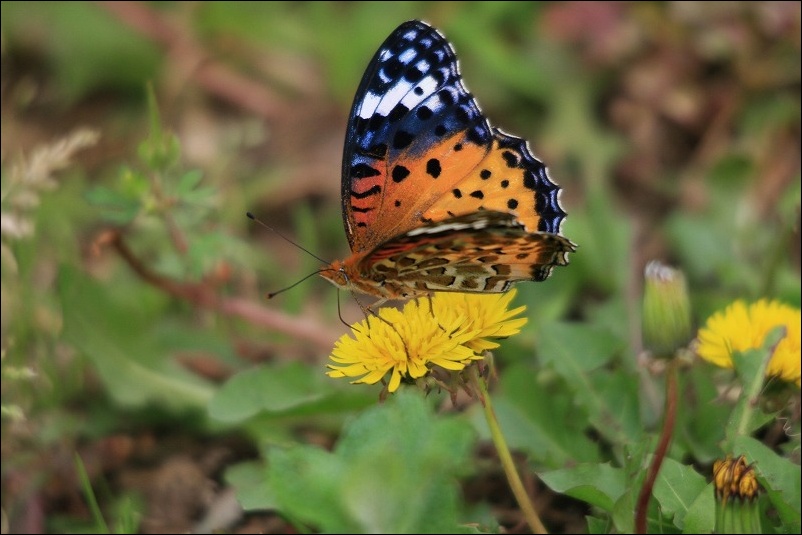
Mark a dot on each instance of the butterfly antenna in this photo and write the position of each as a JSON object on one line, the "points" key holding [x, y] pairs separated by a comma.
{"points": [[271, 295], [285, 238]]}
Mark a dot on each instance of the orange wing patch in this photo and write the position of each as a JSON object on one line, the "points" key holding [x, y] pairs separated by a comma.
{"points": [[411, 185], [508, 179]]}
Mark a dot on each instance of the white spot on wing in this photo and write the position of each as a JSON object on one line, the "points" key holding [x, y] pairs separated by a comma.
{"points": [[407, 55], [410, 35], [393, 97], [428, 84], [383, 76], [369, 105]]}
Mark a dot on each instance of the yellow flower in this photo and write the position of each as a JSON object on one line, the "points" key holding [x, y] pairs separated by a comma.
{"points": [[448, 330], [741, 327], [485, 315]]}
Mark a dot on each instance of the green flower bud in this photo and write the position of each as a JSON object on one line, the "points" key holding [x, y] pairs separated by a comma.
{"points": [[666, 310]]}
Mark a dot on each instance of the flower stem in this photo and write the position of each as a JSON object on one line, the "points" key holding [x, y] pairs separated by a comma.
{"points": [[504, 455], [642, 505]]}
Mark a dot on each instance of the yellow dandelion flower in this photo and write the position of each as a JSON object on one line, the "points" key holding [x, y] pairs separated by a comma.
{"points": [[485, 315], [741, 327], [449, 330], [402, 343]]}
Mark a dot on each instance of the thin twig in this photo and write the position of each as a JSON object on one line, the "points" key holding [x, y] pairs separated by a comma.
{"points": [[206, 297]]}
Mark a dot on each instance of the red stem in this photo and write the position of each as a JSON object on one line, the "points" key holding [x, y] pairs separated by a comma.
{"points": [[642, 506]]}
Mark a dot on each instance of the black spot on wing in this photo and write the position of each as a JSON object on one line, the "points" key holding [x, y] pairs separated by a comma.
{"points": [[433, 167], [399, 173], [423, 113], [510, 159], [397, 113]]}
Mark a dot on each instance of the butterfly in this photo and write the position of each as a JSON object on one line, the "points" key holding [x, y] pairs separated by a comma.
{"points": [[433, 198]]}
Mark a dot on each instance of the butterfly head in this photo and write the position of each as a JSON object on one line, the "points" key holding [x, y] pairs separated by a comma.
{"points": [[345, 274], [336, 274]]}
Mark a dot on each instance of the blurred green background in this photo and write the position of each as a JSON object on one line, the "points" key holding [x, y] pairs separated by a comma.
{"points": [[133, 286]]}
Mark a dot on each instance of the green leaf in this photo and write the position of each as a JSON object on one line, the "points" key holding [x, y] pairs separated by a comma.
{"points": [[189, 181], [573, 348], [779, 476], [698, 427], [292, 389], [598, 525], [751, 368], [393, 471], [677, 488], [701, 515], [614, 405], [115, 206], [250, 481], [597, 484], [538, 420], [114, 332], [623, 514], [611, 399]]}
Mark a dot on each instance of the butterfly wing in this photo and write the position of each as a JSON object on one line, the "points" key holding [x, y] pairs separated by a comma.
{"points": [[484, 251], [409, 111], [419, 150]]}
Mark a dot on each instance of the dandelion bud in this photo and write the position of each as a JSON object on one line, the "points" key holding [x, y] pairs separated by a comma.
{"points": [[666, 310], [737, 493]]}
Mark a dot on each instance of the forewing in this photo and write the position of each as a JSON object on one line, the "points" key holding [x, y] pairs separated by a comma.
{"points": [[414, 131]]}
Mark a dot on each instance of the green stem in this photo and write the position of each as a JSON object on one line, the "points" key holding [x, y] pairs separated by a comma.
{"points": [[524, 502], [100, 522]]}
